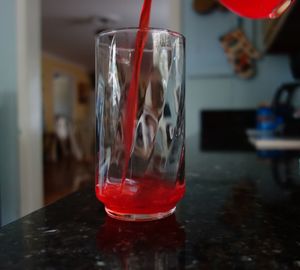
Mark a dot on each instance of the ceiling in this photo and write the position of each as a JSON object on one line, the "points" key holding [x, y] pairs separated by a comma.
{"points": [[69, 26]]}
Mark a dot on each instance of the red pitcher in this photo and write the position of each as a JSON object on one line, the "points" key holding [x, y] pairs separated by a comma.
{"points": [[258, 9]]}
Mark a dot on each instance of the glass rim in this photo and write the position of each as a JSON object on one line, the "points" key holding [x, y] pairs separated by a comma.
{"points": [[136, 29]]}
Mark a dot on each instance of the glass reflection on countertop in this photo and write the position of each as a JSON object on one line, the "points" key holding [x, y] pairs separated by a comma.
{"points": [[142, 245], [285, 167], [285, 173]]}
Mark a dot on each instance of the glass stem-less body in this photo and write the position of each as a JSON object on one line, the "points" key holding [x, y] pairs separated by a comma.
{"points": [[142, 180]]}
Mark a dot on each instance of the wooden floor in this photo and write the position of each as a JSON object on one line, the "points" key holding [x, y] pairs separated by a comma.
{"points": [[65, 176]]}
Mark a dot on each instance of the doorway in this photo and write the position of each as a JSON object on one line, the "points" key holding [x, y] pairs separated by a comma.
{"points": [[68, 127], [63, 95]]}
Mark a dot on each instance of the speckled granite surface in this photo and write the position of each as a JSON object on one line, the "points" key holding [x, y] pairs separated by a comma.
{"points": [[239, 212]]}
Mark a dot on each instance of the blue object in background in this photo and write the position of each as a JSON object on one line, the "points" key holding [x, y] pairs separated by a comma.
{"points": [[265, 119], [266, 154]]}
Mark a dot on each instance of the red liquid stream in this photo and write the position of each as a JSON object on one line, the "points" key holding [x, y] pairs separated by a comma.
{"points": [[132, 100], [257, 9]]}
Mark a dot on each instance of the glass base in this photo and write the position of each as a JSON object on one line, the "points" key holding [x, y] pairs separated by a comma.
{"points": [[139, 217]]}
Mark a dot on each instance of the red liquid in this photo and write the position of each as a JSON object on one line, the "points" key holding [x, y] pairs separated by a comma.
{"points": [[131, 104], [141, 196], [257, 8]]}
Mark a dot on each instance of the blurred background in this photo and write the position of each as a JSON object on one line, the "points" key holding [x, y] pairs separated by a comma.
{"points": [[234, 66]]}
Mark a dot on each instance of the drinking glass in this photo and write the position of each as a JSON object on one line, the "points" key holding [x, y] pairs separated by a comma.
{"points": [[144, 180]]}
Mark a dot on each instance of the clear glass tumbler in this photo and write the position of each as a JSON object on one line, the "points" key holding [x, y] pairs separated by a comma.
{"points": [[144, 180]]}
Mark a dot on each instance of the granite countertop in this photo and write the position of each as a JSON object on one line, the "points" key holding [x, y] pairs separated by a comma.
{"points": [[240, 212]]}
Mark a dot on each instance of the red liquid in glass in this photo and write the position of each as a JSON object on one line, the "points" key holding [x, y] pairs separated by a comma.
{"points": [[257, 9], [141, 196]]}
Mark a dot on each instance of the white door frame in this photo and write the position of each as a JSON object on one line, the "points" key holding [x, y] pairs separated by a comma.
{"points": [[29, 96], [175, 15]]}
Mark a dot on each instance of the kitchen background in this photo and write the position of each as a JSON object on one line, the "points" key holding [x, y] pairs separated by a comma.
{"points": [[47, 82]]}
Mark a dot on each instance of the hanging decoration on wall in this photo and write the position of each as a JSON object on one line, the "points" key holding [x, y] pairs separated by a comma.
{"points": [[207, 6], [240, 53]]}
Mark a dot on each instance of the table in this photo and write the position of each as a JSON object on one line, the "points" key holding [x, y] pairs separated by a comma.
{"points": [[240, 211]]}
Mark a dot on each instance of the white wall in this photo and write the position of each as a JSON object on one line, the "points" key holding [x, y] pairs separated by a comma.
{"points": [[9, 163], [20, 109], [226, 92]]}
